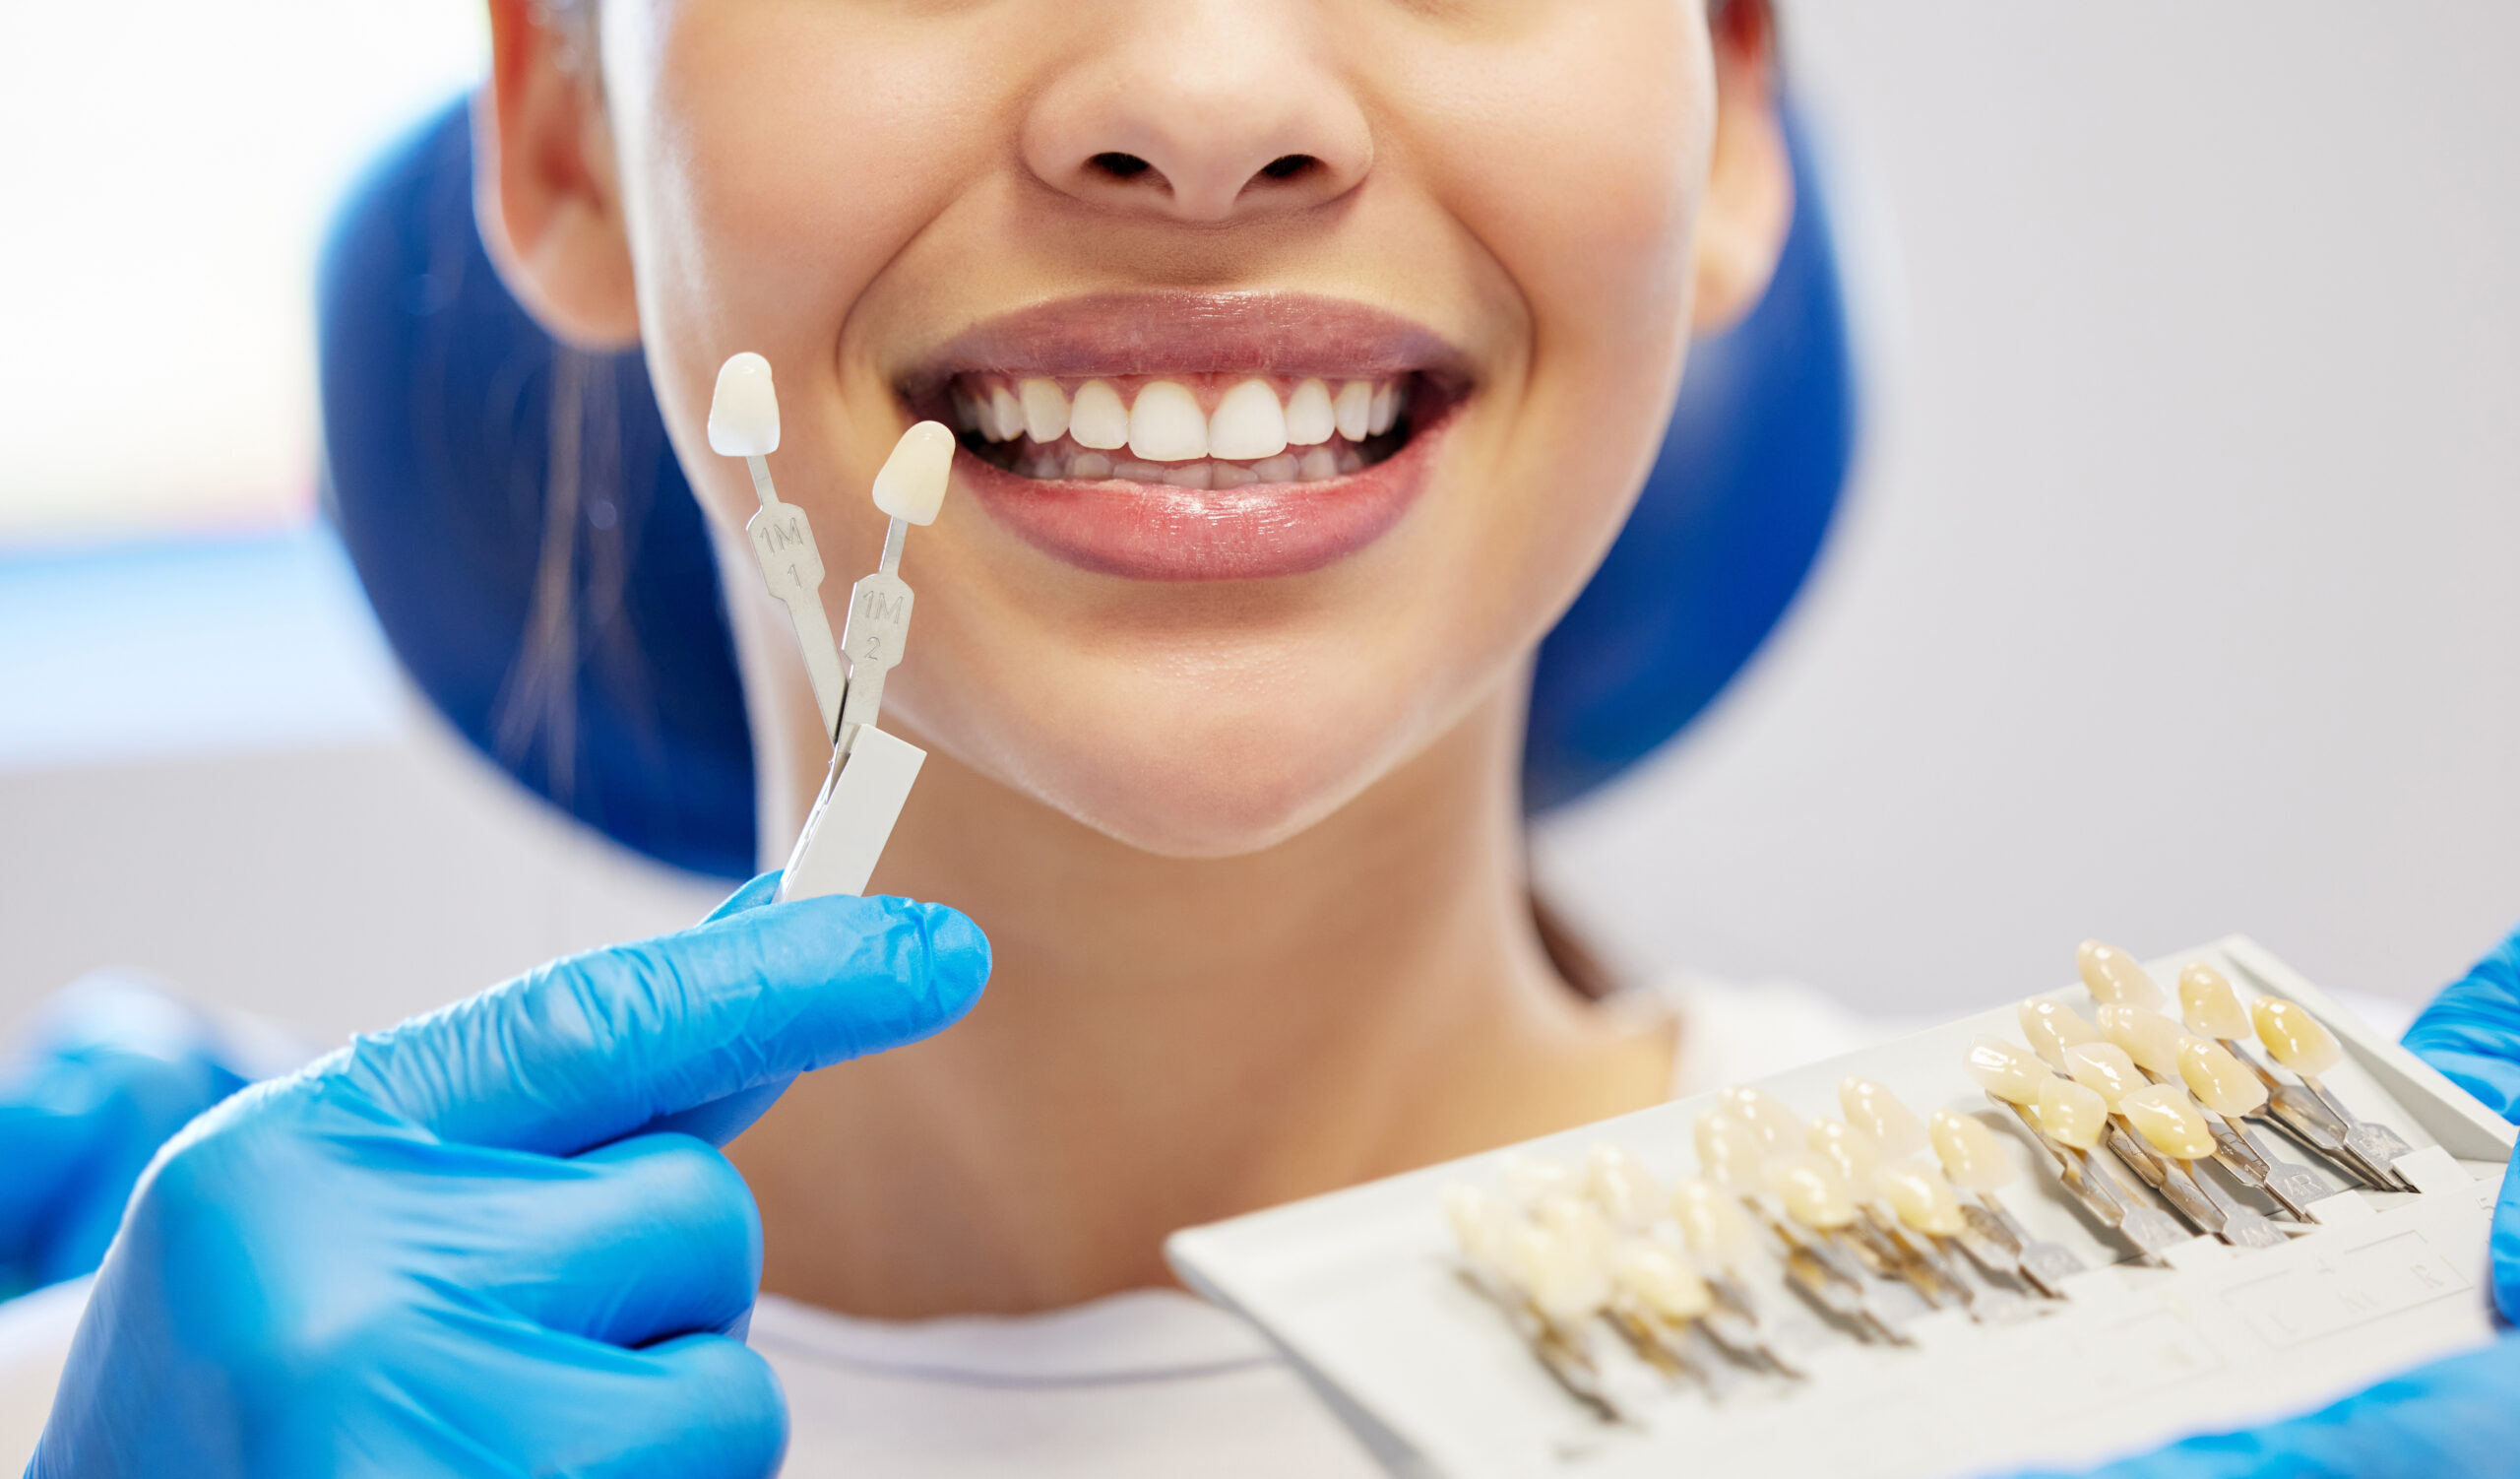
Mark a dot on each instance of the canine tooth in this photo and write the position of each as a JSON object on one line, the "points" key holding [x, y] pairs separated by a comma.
{"points": [[2003, 1070], [1045, 409], [2053, 1028], [1277, 469], [1248, 424], [1197, 474], [2210, 1005], [1165, 424], [1317, 465], [2149, 1038], [1088, 465], [1353, 409], [2297, 1040], [1309, 420], [2112, 975], [1385, 409], [1005, 415], [1230, 474], [1096, 420], [1877, 1112]]}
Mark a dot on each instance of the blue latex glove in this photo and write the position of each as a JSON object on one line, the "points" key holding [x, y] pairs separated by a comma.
{"points": [[482, 1243], [2458, 1417], [113, 1069]]}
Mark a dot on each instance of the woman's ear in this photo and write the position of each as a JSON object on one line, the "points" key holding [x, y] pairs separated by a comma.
{"points": [[544, 183], [1750, 192]]}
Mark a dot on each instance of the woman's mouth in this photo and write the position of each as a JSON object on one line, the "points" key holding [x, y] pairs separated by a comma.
{"points": [[1195, 436]]}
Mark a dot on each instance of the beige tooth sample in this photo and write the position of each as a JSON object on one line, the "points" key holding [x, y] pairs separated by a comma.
{"points": [[1873, 1108], [2112, 975], [1528, 1179], [1813, 1193], [1713, 1225], [1855, 1153], [1248, 424], [2053, 1028], [2295, 1038], [2164, 1115], [1729, 1151], [2072, 1114], [2209, 1005], [1479, 1225], [2005, 1070], [2220, 1082], [1922, 1197], [1620, 1187], [1310, 421], [1777, 1127], [2104, 1069], [1166, 423], [1353, 409], [2149, 1038], [1045, 409], [1562, 1275], [1095, 418], [1969, 1153], [1660, 1280]]}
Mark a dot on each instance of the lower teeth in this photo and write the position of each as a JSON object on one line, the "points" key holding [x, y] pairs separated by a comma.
{"points": [[1335, 458]]}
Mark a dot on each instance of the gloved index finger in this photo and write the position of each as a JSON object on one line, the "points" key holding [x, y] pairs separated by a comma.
{"points": [[588, 1049]]}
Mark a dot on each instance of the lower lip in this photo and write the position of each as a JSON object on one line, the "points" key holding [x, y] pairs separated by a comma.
{"points": [[1140, 531]]}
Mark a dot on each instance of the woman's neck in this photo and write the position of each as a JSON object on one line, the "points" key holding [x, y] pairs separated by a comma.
{"points": [[1166, 1042]]}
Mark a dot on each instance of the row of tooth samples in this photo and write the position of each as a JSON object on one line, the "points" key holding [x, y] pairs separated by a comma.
{"points": [[1255, 419]]}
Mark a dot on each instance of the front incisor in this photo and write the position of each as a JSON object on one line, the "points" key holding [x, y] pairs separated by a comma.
{"points": [[2220, 1082]]}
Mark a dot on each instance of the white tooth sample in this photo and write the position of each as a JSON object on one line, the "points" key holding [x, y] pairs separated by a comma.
{"points": [[1729, 1151], [2104, 1069], [1719, 1234], [2005, 1070], [2053, 1028], [1560, 1275], [1856, 1154], [1166, 423], [1353, 409], [1088, 465], [743, 411], [1095, 418], [1005, 415], [1813, 1193], [1230, 474], [1277, 469], [2149, 1038], [1529, 1177], [1309, 420], [1660, 1280], [2072, 1114], [1874, 1109], [1045, 409], [1922, 1197], [2295, 1038], [1777, 1127], [1479, 1225], [1383, 410], [2110, 974], [2162, 1114], [2220, 1082], [911, 482], [1620, 1187], [1248, 424], [2209, 1004], [1969, 1153], [1317, 465]]}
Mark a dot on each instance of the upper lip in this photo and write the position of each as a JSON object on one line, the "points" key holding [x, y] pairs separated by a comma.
{"points": [[1160, 333]]}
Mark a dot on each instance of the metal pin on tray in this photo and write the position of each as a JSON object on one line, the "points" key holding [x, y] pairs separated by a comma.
{"points": [[2157, 1047], [2213, 1010]]}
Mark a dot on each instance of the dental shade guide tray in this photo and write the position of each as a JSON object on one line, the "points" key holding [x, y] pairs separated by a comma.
{"points": [[871, 771], [1573, 1305]]}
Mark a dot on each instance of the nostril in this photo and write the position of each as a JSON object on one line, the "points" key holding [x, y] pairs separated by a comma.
{"points": [[1287, 166], [1119, 167]]}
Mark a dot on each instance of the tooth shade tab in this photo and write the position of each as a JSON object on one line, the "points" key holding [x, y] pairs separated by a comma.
{"points": [[1922, 1197], [2149, 1038], [911, 482], [1714, 1226], [1478, 1223], [2072, 1114], [2005, 1070], [1969, 1153], [2295, 1038], [1570, 1216], [1856, 1154], [1620, 1187], [1562, 1276], [1098, 419], [2112, 975], [2220, 1082], [1309, 420], [1871, 1108], [2209, 1004], [1528, 1179], [1729, 1151], [1660, 1280], [2162, 1114], [1813, 1193], [1777, 1127], [2053, 1028], [743, 411], [2104, 1069]]}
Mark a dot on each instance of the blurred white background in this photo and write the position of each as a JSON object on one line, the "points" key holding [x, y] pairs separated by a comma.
{"points": [[2178, 596]]}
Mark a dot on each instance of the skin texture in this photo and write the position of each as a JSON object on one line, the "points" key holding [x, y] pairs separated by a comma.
{"points": [[1249, 852]]}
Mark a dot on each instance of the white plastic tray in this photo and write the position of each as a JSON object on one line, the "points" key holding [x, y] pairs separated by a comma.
{"points": [[1358, 1288]]}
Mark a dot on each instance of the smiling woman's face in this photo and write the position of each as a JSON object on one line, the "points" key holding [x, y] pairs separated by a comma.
{"points": [[1308, 353]]}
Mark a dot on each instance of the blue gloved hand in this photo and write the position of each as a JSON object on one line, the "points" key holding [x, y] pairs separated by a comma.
{"points": [[483, 1243], [2459, 1416], [113, 1069]]}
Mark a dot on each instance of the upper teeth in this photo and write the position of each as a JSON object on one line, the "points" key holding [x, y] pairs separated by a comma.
{"points": [[1254, 418]]}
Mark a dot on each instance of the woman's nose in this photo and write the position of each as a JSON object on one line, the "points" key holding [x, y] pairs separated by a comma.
{"points": [[1202, 111]]}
